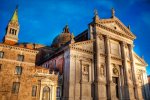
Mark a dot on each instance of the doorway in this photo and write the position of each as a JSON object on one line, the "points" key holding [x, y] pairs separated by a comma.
{"points": [[115, 80]]}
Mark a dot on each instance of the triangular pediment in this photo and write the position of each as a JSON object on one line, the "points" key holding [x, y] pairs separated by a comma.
{"points": [[139, 60], [85, 46], [117, 26]]}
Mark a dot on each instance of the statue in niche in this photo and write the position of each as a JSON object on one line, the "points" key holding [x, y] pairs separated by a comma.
{"points": [[102, 70], [85, 73], [101, 37]]}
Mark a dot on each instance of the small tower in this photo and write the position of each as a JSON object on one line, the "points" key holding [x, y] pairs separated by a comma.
{"points": [[11, 36]]}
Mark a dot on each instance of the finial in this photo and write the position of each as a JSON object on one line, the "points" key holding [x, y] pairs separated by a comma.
{"points": [[95, 12], [129, 27], [113, 12], [96, 17], [66, 29]]}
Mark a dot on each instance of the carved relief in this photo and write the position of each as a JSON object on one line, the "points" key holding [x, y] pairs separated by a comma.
{"points": [[85, 73], [115, 71]]}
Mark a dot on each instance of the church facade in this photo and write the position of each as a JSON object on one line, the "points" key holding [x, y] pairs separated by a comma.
{"points": [[97, 64]]}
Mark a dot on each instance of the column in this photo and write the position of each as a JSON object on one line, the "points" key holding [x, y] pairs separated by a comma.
{"points": [[97, 57], [126, 80], [109, 69], [135, 82], [96, 74]]}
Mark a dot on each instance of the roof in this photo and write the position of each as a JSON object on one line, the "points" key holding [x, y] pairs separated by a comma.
{"points": [[15, 15]]}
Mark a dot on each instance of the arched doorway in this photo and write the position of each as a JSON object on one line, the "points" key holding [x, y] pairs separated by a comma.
{"points": [[46, 93]]}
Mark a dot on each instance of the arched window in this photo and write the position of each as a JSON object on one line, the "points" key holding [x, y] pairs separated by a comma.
{"points": [[46, 93]]}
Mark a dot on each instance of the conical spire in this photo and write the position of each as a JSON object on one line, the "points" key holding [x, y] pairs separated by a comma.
{"points": [[15, 15]]}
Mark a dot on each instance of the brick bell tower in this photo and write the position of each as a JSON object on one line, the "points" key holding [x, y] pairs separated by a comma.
{"points": [[11, 36]]}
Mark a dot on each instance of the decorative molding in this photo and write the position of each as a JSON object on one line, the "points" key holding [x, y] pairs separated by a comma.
{"points": [[116, 58], [119, 23], [18, 48]]}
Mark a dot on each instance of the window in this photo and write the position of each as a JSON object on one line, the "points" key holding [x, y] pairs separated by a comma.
{"points": [[18, 70], [15, 87], [58, 92], [34, 88], [1, 54], [20, 57], [12, 31]]}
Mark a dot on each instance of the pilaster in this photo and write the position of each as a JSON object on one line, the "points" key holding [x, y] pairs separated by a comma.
{"points": [[125, 66], [135, 82], [110, 84]]}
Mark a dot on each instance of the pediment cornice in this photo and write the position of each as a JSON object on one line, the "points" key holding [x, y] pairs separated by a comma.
{"points": [[126, 32], [82, 46], [140, 59]]}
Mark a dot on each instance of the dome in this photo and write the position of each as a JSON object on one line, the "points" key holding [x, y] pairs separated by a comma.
{"points": [[63, 38]]}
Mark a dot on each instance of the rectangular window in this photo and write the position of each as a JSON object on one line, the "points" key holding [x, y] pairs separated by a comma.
{"points": [[58, 92], [18, 70], [1, 54], [34, 88], [15, 87], [20, 57]]}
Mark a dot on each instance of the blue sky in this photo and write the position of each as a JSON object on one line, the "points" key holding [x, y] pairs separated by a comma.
{"points": [[41, 20]]}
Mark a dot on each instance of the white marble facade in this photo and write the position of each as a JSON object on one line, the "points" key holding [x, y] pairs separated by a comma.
{"points": [[105, 67]]}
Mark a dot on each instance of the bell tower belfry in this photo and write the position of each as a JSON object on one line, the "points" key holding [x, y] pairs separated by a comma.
{"points": [[11, 36]]}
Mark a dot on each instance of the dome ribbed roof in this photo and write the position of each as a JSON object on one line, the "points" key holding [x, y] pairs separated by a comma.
{"points": [[61, 39]]}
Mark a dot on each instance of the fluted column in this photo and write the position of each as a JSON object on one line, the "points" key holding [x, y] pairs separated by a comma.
{"points": [[126, 80], [108, 67], [134, 71]]}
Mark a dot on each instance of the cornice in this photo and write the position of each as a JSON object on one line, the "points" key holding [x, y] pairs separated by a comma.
{"points": [[73, 46], [116, 58], [82, 42], [142, 60], [115, 32], [121, 25], [82, 50], [18, 48], [140, 64]]}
